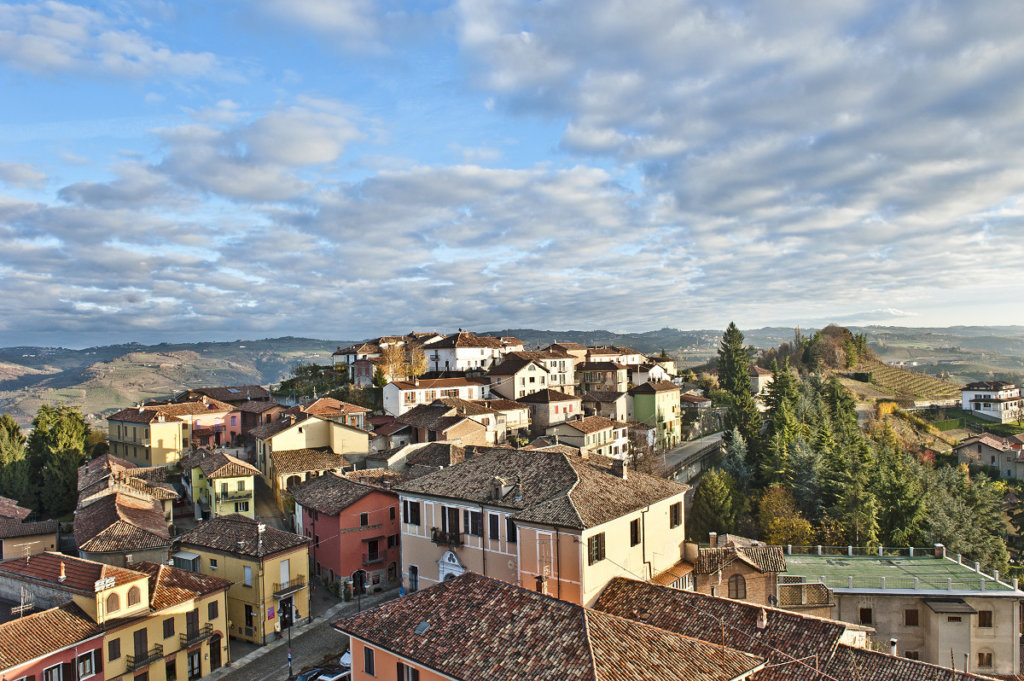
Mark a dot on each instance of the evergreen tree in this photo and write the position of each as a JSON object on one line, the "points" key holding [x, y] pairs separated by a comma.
{"points": [[379, 379], [733, 362], [744, 417], [56, 445], [900, 493], [14, 478], [713, 509], [734, 461], [805, 479]]}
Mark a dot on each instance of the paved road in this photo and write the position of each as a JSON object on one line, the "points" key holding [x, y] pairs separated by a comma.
{"points": [[675, 456], [310, 645]]}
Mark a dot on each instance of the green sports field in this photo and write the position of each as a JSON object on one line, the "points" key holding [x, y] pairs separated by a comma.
{"points": [[899, 572]]}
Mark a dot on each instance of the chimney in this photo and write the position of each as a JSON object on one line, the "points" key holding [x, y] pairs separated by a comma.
{"points": [[762, 619], [690, 552], [620, 468], [713, 539], [892, 647], [63, 575], [940, 551]]}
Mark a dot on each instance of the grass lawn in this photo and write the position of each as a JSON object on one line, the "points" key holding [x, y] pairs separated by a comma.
{"points": [[940, 416]]}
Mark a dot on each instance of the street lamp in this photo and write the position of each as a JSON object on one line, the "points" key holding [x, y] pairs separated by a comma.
{"points": [[294, 614]]}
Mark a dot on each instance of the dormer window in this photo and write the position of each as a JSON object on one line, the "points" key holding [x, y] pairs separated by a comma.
{"points": [[134, 596], [113, 603]]}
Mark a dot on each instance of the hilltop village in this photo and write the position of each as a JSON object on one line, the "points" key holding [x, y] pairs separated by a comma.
{"points": [[565, 512]]}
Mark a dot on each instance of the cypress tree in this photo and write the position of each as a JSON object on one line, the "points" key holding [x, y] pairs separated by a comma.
{"points": [[713, 509]]}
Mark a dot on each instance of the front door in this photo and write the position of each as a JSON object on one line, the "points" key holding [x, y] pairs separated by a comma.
{"points": [[414, 578], [215, 652]]}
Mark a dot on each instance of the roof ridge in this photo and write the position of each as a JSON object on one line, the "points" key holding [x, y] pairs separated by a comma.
{"points": [[590, 644], [572, 487]]}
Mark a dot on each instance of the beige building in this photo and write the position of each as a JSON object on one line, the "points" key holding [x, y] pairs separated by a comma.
{"points": [[550, 521], [19, 538], [159, 622], [294, 433], [517, 377], [550, 407], [269, 569], [593, 435], [146, 437], [219, 484]]}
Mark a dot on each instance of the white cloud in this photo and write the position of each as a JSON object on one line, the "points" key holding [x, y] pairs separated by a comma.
{"points": [[21, 174]]}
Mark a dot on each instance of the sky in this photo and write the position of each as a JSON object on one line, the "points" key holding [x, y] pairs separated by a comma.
{"points": [[179, 171]]}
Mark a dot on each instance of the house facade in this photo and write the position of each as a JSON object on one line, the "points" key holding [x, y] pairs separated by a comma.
{"points": [[657, 404], [993, 451], [996, 401], [401, 396], [219, 484], [517, 377], [552, 522], [602, 376], [146, 437], [550, 407], [353, 530], [594, 435], [268, 570], [465, 351]]}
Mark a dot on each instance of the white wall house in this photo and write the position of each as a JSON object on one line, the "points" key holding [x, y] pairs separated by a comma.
{"points": [[401, 396], [993, 400]]}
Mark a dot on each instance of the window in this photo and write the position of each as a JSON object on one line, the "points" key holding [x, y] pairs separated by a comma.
{"points": [[392, 541], [113, 603], [595, 548], [737, 587], [114, 649], [675, 514], [212, 610], [493, 526], [473, 521], [865, 616], [241, 485], [213, 563], [910, 617], [985, 618], [316, 541], [52, 674], [241, 507], [368, 661], [169, 627], [411, 512], [634, 532], [223, 488], [984, 659], [86, 666], [247, 576], [364, 519], [912, 655], [391, 513], [510, 530], [954, 618], [406, 673], [171, 669]]}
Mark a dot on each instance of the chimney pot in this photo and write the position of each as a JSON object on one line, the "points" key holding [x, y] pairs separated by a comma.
{"points": [[713, 539], [892, 647]]}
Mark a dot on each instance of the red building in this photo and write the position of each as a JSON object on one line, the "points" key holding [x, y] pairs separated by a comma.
{"points": [[59, 644], [354, 527]]}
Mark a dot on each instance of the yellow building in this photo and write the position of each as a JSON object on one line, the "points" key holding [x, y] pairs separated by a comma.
{"points": [[146, 437], [307, 431], [269, 568], [158, 620], [219, 484]]}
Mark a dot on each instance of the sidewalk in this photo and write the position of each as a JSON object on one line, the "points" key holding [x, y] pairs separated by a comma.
{"points": [[307, 648]]}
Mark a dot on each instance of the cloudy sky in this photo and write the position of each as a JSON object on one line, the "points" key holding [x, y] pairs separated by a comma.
{"points": [[215, 170]]}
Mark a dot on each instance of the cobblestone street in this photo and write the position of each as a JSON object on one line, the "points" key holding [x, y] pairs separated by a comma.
{"points": [[311, 643]]}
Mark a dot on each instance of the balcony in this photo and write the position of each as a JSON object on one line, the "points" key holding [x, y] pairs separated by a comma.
{"points": [[294, 584], [193, 637], [375, 559], [140, 661], [236, 495], [439, 536]]}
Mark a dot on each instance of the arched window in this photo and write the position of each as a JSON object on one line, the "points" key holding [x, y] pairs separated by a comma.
{"points": [[737, 587], [134, 596], [113, 603]]}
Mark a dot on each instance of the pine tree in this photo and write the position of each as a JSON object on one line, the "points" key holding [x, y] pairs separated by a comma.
{"points": [[735, 463], [14, 478], [56, 445], [900, 493], [805, 479], [713, 509], [733, 362]]}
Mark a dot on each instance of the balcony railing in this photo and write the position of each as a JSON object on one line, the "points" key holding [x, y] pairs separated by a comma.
{"points": [[152, 655], [439, 536], [193, 637], [235, 495], [369, 560], [291, 586]]}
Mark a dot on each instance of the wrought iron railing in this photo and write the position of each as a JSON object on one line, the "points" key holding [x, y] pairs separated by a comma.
{"points": [[439, 536], [293, 584], [193, 637], [149, 657]]}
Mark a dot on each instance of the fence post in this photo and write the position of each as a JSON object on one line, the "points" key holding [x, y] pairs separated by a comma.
{"points": [[977, 567], [911, 551], [1015, 583], [883, 583], [959, 559], [819, 549], [789, 549], [995, 575], [849, 550], [879, 551], [949, 583], [915, 583]]}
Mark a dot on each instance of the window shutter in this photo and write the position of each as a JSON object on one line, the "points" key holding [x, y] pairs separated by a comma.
{"points": [[444, 518], [67, 671], [97, 660]]}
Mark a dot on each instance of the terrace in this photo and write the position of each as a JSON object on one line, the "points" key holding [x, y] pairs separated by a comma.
{"points": [[922, 571]]}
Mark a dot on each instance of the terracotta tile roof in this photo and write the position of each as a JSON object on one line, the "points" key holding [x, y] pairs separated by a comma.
{"points": [[142, 416], [857, 664], [169, 586], [602, 396], [757, 372], [652, 387], [693, 399], [359, 349], [221, 465], [257, 406], [599, 366], [100, 468], [502, 405], [465, 339], [239, 535], [569, 346], [330, 406], [110, 475], [761, 558], [45, 632], [9, 509], [121, 523], [513, 365], [437, 455], [231, 393], [390, 428], [467, 407], [993, 441], [329, 494], [994, 386], [269, 430], [375, 477], [542, 354], [592, 424], [481, 629], [788, 637], [433, 417], [554, 487], [547, 396], [440, 383], [80, 574], [12, 527], [192, 408], [301, 460]]}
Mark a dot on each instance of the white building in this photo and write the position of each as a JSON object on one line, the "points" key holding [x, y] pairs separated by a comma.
{"points": [[997, 401], [401, 396], [465, 351]]}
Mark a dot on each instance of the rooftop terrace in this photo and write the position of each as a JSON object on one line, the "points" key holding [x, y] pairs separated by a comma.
{"points": [[922, 572]]}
